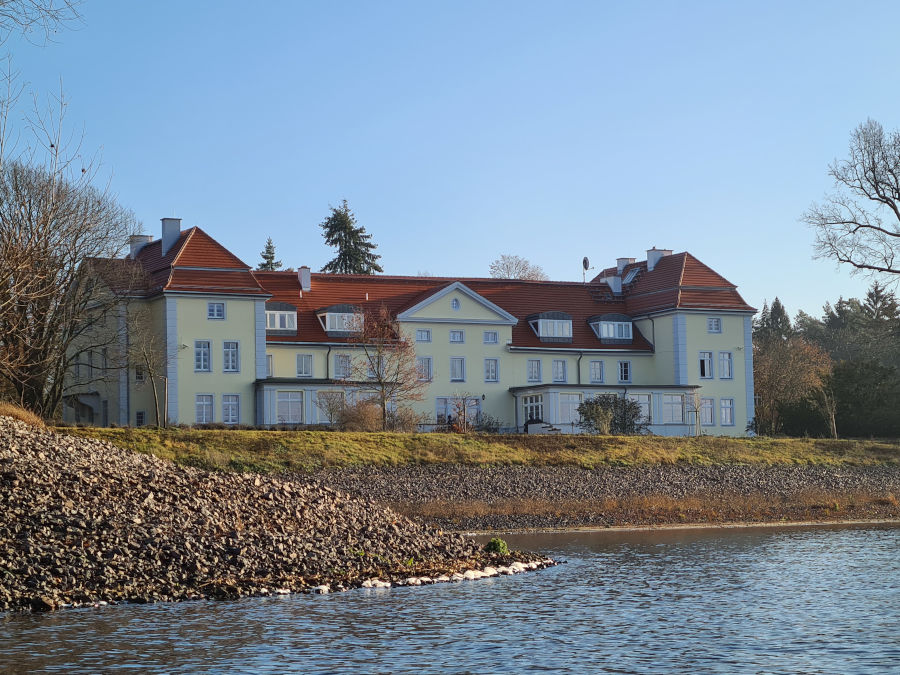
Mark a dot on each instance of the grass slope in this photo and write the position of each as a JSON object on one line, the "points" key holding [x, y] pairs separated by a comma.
{"points": [[306, 451]]}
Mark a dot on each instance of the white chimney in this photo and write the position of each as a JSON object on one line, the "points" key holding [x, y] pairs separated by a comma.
{"points": [[171, 229], [615, 284], [621, 263], [303, 274], [654, 255], [136, 242]]}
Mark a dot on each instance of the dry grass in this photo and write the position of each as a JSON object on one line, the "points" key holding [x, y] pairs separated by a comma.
{"points": [[276, 451], [22, 414]]}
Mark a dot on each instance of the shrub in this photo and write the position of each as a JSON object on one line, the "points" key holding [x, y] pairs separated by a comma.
{"points": [[404, 419], [498, 546], [488, 424], [611, 415], [19, 413], [360, 416]]}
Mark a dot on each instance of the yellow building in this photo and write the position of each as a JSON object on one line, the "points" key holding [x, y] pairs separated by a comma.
{"points": [[267, 348]]}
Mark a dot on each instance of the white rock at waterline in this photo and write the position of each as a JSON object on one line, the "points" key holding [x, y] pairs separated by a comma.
{"points": [[323, 589]]}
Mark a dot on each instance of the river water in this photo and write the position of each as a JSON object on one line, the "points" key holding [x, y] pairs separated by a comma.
{"points": [[754, 600]]}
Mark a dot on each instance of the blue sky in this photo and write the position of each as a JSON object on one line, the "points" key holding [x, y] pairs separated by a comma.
{"points": [[460, 131]]}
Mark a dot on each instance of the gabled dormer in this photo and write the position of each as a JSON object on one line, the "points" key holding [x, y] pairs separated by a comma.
{"points": [[551, 326], [343, 320], [612, 329], [281, 318]]}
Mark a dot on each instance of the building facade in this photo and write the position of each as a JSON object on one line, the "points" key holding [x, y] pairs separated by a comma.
{"points": [[214, 341]]}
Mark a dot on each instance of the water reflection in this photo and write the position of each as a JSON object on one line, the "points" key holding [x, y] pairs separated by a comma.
{"points": [[700, 601]]}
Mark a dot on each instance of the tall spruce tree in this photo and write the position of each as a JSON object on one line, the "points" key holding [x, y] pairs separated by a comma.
{"points": [[269, 264], [354, 249]]}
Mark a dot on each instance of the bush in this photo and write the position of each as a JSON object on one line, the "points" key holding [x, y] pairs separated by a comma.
{"points": [[405, 419], [19, 413], [488, 424], [611, 415], [361, 416], [498, 546]]}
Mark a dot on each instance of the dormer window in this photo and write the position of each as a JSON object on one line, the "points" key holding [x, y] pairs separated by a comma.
{"points": [[612, 328], [281, 318], [341, 320], [552, 326]]}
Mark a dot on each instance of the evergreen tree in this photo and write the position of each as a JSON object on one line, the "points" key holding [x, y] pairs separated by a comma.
{"points": [[269, 264], [355, 251], [773, 322]]}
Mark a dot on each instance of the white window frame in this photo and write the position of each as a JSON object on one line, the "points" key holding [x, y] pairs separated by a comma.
{"points": [[374, 366], [460, 336], [726, 412], [625, 368], [491, 337], [231, 408], [492, 370], [707, 412], [553, 328], [672, 403], [207, 404], [459, 363], [568, 408], [533, 370], [231, 367], [212, 312], [598, 367], [645, 402], [281, 320], [304, 365], [560, 368], [270, 365], [347, 322], [290, 397], [705, 358], [342, 366], [713, 324], [726, 366], [423, 335], [425, 368], [455, 304], [616, 330], [533, 407], [203, 352]]}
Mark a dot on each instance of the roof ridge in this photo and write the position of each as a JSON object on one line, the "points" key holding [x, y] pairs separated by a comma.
{"points": [[190, 233]]}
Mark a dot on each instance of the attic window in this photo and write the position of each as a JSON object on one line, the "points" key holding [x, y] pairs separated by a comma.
{"points": [[344, 321], [454, 304], [281, 320], [630, 276], [615, 330], [552, 326]]}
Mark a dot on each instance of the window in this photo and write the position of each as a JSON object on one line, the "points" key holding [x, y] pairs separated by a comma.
{"points": [[596, 371], [491, 370], [673, 409], [215, 310], [457, 336], [643, 400], [555, 328], [423, 335], [713, 325], [568, 408], [330, 404], [344, 321], [374, 366], [491, 337], [534, 370], [615, 330], [304, 365], [707, 411], [231, 359], [231, 408], [140, 418], [706, 365], [624, 371], [559, 370], [138, 374], [726, 371], [423, 366], [342, 366], [457, 369], [203, 405], [269, 365], [289, 407], [454, 304], [726, 412], [534, 407], [202, 363], [281, 320]]}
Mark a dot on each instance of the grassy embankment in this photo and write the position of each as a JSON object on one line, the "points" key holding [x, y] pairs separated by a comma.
{"points": [[306, 451]]}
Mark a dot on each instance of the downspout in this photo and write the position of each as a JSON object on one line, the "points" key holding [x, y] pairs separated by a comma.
{"points": [[653, 333], [580, 356], [328, 363], [516, 407]]}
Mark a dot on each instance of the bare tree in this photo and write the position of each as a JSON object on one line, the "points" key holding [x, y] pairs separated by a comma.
{"points": [[515, 267], [859, 224], [388, 366], [147, 353], [36, 16]]}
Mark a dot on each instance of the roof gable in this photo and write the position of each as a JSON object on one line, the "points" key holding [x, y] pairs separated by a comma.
{"points": [[457, 303], [201, 250]]}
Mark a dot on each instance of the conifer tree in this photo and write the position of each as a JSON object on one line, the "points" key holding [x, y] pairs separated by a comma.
{"points": [[269, 264], [355, 251]]}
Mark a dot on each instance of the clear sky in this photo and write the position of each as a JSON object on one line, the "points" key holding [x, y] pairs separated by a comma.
{"points": [[461, 130]]}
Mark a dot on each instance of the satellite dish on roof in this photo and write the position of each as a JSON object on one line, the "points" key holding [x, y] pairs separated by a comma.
{"points": [[585, 263]]}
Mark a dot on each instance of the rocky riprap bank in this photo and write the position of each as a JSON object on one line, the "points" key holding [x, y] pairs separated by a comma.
{"points": [[83, 522], [528, 497]]}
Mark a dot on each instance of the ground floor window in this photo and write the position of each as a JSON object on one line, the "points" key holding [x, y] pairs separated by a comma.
{"points": [[140, 418], [231, 408], [568, 408], [726, 412], [330, 404], [534, 407], [643, 400], [707, 411], [673, 408], [289, 407], [460, 410], [204, 408]]}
